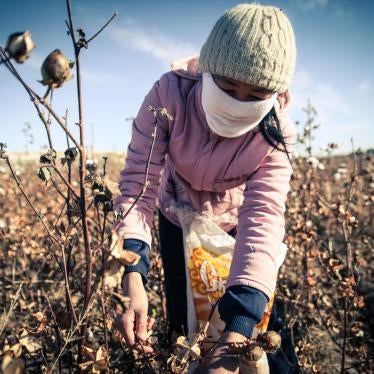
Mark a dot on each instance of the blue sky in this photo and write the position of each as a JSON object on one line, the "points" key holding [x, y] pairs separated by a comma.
{"points": [[335, 63]]}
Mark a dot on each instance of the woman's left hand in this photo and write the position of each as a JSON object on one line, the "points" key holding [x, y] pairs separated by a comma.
{"points": [[217, 362]]}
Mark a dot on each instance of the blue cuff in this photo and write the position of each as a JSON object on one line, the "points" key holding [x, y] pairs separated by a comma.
{"points": [[142, 249], [241, 308], [241, 324]]}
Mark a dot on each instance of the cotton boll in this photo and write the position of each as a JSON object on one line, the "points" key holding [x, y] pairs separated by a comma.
{"points": [[19, 46], [56, 69]]}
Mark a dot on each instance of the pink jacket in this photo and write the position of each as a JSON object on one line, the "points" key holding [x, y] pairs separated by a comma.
{"points": [[242, 179]]}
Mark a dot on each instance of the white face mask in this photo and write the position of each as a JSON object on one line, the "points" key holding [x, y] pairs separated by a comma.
{"points": [[227, 116]]}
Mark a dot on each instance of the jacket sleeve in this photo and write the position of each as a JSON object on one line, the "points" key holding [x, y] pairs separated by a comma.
{"points": [[143, 250], [241, 308], [261, 225], [138, 223]]}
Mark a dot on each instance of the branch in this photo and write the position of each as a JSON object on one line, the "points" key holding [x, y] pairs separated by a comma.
{"points": [[82, 171], [48, 123], [58, 190], [58, 120], [68, 185], [6, 158], [145, 183], [70, 335], [13, 304], [59, 216], [66, 280], [102, 299], [353, 178], [326, 326], [105, 25], [348, 248], [121, 216]]}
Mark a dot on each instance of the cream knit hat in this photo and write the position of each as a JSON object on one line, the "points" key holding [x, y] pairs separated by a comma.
{"points": [[254, 44]]}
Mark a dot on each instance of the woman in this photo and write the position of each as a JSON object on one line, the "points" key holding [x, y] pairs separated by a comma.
{"points": [[225, 153]]}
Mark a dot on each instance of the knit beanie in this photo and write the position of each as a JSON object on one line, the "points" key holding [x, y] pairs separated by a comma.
{"points": [[254, 44]]}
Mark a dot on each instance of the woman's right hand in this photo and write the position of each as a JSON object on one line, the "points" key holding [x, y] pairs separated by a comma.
{"points": [[134, 324]]}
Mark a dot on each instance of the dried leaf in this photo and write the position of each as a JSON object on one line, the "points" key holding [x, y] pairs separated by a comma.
{"points": [[359, 302], [311, 281], [96, 360], [11, 365], [195, 352], [16, 349], [316, 368], [182, 342], [113, 273], [86, 365], [185, 351], [44, 174], [48, 157], [335, 265], [7, 359], [129, 258], [101, 353], [30, 343], [99, 366], [42, 323], [124, 256], [113, 187]]}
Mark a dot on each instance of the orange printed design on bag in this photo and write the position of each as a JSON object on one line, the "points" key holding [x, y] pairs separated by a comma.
{"points": [[208, 275]]}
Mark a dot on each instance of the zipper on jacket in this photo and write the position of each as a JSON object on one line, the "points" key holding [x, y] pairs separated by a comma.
{"points": [[198, 175], [215, 139]]}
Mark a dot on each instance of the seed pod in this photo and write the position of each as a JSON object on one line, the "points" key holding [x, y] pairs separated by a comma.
{"points": [[91, 166], [254, 362], [71, 153], [44, 174], [254, 354], [273, 340], [48, 157], [19, 46], [56, 69]]}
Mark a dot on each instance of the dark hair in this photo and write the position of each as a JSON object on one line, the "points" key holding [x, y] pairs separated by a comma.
{"points": [[271, 130]]}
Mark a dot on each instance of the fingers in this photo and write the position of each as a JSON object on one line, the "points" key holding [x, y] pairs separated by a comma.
{"points": [[125, 325], [134, 330], [220, 364], [143, 348], [151, 322], [141, 326]]}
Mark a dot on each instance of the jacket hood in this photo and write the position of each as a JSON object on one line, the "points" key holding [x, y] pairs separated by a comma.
{"points": [[187, 67]]}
